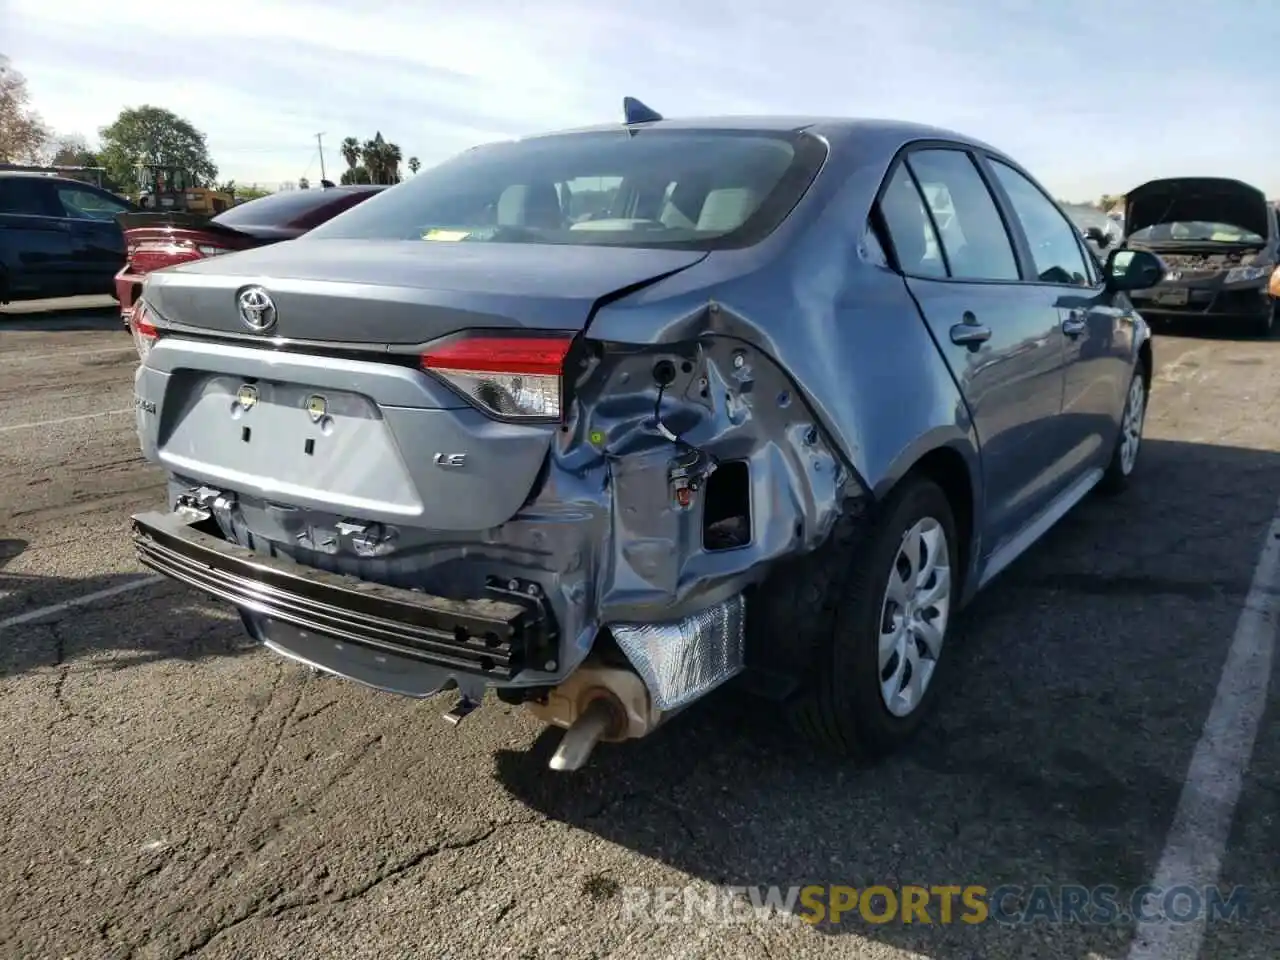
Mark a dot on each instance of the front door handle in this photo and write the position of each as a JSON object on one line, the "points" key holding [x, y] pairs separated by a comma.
{"points": [[971, 333], [1075, 323]]}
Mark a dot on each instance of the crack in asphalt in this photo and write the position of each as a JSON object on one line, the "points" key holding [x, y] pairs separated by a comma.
{"points": [[258, 910], [255, 784]]}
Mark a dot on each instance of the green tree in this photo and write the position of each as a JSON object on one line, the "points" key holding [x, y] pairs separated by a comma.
{"points": [[71, 151], [350, 150], [414, 164], [153, 135], [391, 162], [22, 133]]}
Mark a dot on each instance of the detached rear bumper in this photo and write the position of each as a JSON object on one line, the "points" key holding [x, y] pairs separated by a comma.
{"points": [[486, 639]]}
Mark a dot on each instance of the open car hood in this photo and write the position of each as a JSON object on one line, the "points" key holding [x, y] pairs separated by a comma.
{"points": [[1211, 199]]}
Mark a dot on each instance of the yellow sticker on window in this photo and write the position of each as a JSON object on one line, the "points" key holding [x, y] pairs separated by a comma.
{"points": [[446, 235]]}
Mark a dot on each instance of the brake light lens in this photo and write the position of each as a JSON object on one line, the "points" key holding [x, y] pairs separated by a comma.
{"points": [[144, 331], [147, 255], [509, 377]]}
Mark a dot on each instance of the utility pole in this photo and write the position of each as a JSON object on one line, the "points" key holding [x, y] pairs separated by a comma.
{"points": [[320, 144]]}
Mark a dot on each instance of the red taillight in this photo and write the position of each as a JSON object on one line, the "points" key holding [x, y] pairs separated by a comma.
{"points": [[144, 331], [513, 377], [145, 255]]}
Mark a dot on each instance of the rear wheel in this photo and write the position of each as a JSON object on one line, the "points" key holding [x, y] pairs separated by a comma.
{"points": [[871, 617], [1124, 458]]}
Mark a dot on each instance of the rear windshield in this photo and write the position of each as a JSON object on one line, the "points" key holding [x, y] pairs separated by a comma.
{"points": [[689, 189], [275, 209], [1197, 230]]}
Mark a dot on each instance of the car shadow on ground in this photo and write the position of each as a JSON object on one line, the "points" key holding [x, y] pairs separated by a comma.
{"points": [[1080, 682], [14, 319], [129, 624]]}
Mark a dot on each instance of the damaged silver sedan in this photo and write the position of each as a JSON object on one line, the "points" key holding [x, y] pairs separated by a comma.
{"points": [[600, 420]]}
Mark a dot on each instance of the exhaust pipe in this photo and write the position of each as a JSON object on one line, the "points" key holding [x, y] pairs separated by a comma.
{"points": [[596, 704], [593, 724]]}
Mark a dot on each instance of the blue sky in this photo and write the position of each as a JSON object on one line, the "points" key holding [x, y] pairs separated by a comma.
{"points": [[1092, 96]]}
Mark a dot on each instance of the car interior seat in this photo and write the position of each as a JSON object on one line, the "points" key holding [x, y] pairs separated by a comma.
{"points": [[533, 205]]}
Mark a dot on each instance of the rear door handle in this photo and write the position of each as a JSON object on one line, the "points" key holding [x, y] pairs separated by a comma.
{"points": [[1075, 323], [971, 333]]}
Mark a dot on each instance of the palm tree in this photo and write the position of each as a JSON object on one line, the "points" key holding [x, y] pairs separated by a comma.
{"points": [[391, 162], [350, 150], [414, 164], [373, 159]]}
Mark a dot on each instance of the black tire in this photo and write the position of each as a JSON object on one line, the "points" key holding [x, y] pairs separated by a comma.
{"points": [[1265, 324], [1119, 474], [823, 614]]}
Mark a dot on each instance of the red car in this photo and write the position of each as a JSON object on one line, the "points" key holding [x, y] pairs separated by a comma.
{"points": [[162, 239]]}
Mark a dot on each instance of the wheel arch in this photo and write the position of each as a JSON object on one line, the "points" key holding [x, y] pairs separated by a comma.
{"points": [[954, 464]]}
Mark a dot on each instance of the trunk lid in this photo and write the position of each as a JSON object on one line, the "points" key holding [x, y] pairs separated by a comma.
{"points": [[165, 238], [376, 292], [1204, 199]]}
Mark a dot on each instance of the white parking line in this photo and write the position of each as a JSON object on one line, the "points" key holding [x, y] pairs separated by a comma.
{"points": [[51, 423], [1202, 824], [94, 597]]}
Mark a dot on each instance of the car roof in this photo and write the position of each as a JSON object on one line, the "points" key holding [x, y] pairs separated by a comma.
{"points": [[881, 130], [47, 176]]}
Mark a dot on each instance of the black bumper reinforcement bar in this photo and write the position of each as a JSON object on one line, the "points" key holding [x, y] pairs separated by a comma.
{"points": [[482, 637]]}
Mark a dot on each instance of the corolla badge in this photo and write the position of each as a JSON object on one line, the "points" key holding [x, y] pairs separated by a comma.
{"points": [[257, 309]]}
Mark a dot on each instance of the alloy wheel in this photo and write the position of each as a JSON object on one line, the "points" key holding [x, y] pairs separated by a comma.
{"points": [[1135, 410]]}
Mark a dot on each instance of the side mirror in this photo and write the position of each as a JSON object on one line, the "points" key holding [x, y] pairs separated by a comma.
{"points": [[1134, 270]]}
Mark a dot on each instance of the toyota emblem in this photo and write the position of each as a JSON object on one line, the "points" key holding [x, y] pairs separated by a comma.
{"points": [[257, 309]]}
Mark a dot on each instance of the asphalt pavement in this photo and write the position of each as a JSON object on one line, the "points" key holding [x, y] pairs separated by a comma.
{"points": [[171, 791]]}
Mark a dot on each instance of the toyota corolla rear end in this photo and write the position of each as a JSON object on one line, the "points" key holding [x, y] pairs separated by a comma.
{"points": [[395, 447], [1219, 239]]}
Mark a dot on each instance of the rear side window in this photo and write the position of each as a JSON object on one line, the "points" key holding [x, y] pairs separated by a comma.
{"points": [[1055, 248], [690, 189], [23, 195], [973, 235], [81, 204], [914, 243]]}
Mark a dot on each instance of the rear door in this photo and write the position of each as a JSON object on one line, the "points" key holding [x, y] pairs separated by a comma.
{"points": [[1000, 336], [37, 245], [1097, 335], [97, 239]]}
